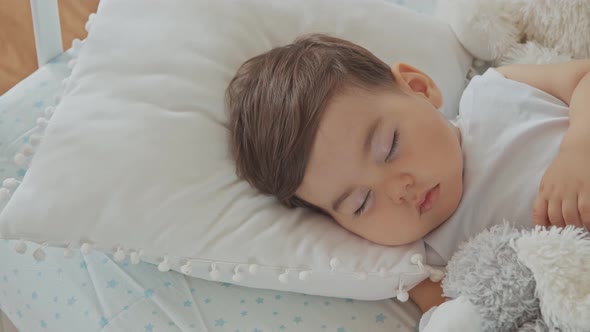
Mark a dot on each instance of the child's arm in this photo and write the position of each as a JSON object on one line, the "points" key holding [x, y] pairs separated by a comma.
{"points": [[564, 192], [427, 294], [560, 79]]}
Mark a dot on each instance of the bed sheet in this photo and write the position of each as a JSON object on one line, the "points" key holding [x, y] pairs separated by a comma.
{"points": [[22, 105], [95, 293]]}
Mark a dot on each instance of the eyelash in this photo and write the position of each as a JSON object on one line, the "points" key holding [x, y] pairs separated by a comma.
{"points": [[362, 208], [392, 151], [393, 147]]}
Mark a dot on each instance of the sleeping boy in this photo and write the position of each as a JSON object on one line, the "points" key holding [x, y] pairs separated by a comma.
{"points": [[324, 124]]}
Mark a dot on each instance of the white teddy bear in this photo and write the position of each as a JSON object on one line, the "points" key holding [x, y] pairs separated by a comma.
{"points": [[520, 31], [507, 279]]}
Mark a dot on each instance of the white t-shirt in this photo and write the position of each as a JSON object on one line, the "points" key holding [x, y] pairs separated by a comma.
{"points": [[511, 133]]}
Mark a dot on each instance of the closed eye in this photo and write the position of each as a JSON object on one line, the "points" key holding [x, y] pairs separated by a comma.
{"points": [[393, 148], [363, 206], [390, 155]]}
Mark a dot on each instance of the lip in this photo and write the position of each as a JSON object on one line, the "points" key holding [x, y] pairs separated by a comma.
{"points": [[427, 201]]}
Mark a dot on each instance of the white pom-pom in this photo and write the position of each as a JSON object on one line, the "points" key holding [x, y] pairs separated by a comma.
{"points": [[86, 248], [68, 252], [416, 259], [304, 275], [28, 150], [72, 63], [402, 295], [334, 263], [253, 268], [10, 183], [89, 23], [284, 277], [215, 275], [20, 159], [362, 275], [4, 194], [76, 44], [119, 255], [164, 266], [20, 247], [34, 140], [49, 111], [238, 277], [39, 254], [134, 256], [436, 275], [42, 122], [186, 268]]}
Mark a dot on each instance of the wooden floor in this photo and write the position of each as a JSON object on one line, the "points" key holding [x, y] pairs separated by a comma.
{"points": [[17, 44]]}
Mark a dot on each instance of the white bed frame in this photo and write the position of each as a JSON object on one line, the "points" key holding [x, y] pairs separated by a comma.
{"points": [[48, 42]]}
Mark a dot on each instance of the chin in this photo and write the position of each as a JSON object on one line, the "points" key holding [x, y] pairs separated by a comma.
{"points": [[393, 243]]}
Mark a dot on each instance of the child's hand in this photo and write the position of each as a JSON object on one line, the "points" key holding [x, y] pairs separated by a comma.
{"points": [[564, 193]]}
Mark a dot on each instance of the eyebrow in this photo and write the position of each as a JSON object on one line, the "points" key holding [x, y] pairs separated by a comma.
{"points": [[366, 150]]}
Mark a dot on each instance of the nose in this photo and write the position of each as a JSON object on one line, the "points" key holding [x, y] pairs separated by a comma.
{"points": [[400, 189]]}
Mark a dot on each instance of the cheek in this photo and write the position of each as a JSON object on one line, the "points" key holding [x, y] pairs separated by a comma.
{"points": [[439, 141], [388, 224]]}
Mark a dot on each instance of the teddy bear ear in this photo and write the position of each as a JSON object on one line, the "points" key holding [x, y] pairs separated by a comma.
{"points": [[487, 29], [559, 259]]}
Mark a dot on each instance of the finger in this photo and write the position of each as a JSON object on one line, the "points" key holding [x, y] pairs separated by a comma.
{"points": [[584, 209], [554, 213], [540, 212], [569, 211]]}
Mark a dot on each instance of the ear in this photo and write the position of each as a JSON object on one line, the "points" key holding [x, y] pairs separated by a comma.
{"points": [[412, 81]]}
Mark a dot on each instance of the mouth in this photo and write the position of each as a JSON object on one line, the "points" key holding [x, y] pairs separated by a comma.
{"points": [[427, 202]]}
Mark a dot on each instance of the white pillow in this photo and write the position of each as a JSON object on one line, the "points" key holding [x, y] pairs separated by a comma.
{"points": [[135, 157]]}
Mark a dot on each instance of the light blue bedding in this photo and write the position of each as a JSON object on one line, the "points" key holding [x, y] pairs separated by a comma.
{"points": [[22, 105], [94, 293]]}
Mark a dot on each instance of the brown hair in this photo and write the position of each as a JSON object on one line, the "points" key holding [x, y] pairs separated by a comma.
{"points": [[276, 100]]}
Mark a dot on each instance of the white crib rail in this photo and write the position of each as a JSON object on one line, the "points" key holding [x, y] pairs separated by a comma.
{"points": [[47, 30]]}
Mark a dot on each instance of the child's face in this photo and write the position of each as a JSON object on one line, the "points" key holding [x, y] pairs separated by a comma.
{"points": [[390, 196]]}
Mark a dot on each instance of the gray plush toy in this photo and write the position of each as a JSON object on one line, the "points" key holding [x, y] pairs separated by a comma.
{"points": [[506, 279]]}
